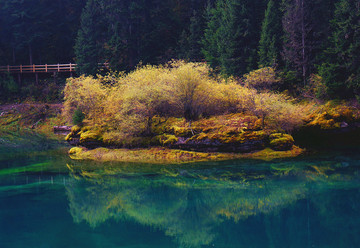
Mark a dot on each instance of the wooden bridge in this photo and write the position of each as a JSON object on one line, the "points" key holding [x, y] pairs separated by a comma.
{"points": [[42, 68], [38, 68]]}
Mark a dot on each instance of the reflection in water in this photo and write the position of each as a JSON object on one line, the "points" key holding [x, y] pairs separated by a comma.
{"points": [[306, 202], [247, 203]]}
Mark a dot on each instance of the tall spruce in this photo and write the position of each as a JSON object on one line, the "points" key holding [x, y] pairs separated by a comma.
{"points": [[341, 71], [211, 39], [234, 44], [232, 36], [87, 48], [271, 36]]}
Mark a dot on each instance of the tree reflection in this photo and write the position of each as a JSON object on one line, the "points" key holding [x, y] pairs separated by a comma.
{"points": [[190, 204]]}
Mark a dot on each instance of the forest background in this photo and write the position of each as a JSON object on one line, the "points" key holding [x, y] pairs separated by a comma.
{"points": [[313, 45]]}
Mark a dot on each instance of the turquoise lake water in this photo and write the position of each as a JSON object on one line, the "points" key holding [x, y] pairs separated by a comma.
{"points": [[48, 200]]}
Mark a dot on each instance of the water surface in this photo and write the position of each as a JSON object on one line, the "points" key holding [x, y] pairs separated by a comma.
{"points": [[48, 200]]}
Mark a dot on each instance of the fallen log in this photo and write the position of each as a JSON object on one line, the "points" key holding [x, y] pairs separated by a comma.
{"points": [[62, 128]]}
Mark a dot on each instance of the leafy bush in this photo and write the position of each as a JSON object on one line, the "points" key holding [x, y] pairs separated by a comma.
{"points": [[124, 105], [316, 88], [262, 79], [277, 111], [88, 94]]}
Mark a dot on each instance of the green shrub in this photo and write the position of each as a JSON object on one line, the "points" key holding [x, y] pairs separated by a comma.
{"points": [[78, 117]]}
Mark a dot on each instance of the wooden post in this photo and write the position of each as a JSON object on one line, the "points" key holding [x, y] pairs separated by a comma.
{"points": [[46, 67], [20, 68], [58, 68], [33, 68]]}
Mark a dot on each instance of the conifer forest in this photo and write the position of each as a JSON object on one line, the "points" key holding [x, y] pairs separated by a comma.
{"points": [[304, 40]]}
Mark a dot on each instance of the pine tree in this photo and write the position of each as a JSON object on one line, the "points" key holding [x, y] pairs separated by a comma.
{"points": [[232, 36], [212, 37], [87, 50], [271, 35], [341, 71], [235, 43]]}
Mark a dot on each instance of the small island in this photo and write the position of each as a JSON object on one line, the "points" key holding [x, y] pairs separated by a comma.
{"points": [[181, 112]]}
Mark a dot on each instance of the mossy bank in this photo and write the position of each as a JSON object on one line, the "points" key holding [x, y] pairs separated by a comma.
{"points": [[172, 140]]}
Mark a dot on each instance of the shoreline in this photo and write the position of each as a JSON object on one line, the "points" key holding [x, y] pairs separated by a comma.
{"points": [[172, 144], [161, 155]]}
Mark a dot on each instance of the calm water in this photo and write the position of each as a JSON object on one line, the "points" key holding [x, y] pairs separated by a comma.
{"points": [[47, 200]]}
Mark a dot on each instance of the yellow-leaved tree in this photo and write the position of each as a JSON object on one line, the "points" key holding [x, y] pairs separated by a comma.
{"points": [[123, 105], [89, 95]]}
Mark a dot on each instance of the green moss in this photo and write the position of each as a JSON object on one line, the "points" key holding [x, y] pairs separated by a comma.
{"points": [[226, 137], [165, 139], [69, 137], [161, 125], [181, 131], [332, 114], [281, 142], [254, 135], [227, 124], [91, 135], [75, 129]]}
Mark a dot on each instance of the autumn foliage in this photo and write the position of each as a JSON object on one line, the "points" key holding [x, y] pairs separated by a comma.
{"points": [[125, 104]]}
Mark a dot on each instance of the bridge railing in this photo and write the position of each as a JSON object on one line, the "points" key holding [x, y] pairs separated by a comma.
{"points": [[41, 68]]}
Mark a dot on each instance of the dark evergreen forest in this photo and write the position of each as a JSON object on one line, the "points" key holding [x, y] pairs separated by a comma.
{"points": [[304, 40]]}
